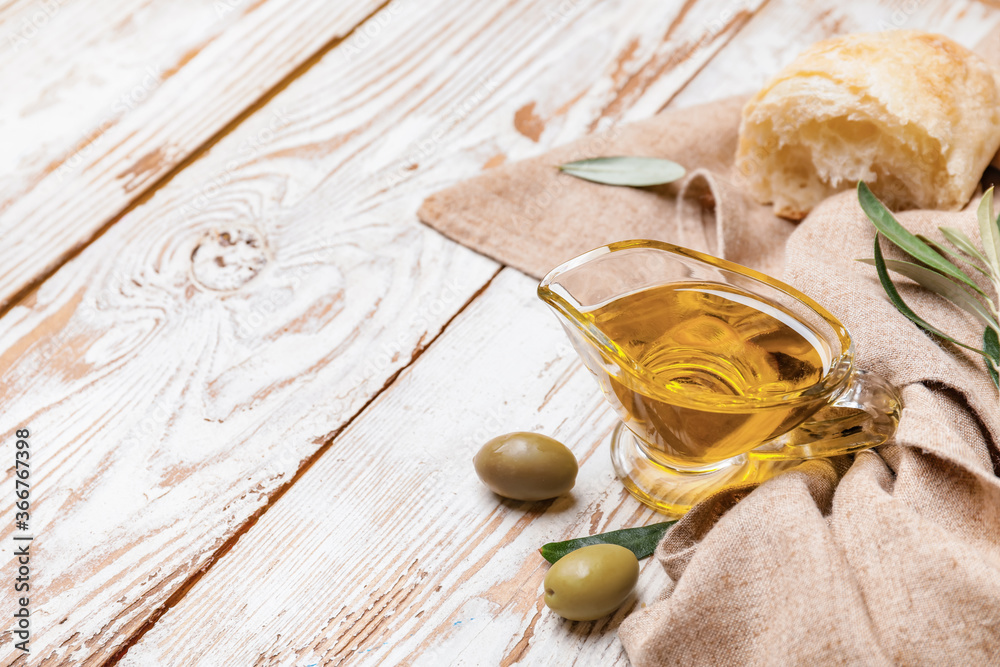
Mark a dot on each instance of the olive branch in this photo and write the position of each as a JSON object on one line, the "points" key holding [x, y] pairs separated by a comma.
{"points": [[939, 274]]}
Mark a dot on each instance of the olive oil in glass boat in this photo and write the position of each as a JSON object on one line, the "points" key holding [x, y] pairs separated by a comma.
{"points": [[722, 376]]}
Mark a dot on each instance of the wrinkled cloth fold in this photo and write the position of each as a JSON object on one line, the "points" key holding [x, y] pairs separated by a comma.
{"points": [[890, 557]]}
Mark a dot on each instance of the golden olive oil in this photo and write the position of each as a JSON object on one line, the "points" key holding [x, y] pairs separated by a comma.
{"points": [[698, 367]]}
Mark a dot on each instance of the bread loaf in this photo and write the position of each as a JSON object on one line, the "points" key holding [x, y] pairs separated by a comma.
{"points": [[913, 114]]}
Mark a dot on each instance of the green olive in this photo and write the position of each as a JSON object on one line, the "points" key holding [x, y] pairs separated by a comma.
{"points": [[526, 466], [591, 582]]}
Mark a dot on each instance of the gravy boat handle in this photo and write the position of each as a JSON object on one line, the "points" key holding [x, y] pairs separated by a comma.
{"points": [[864, 415]]}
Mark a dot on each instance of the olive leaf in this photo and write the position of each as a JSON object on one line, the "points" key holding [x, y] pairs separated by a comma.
{"points": [[991, 343], [959, 239], [942, 286], [989, 235], [895, 232], [944, 250], [901, 306], [641, 541], [631, 171]]}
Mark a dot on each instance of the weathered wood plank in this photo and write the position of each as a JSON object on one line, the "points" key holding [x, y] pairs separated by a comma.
{"points": [[454, 579], [181, 369], [113, 94], [390, 551]]}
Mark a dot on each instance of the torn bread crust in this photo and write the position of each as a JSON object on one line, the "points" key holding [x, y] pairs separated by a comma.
{"points": [[914, 115]]}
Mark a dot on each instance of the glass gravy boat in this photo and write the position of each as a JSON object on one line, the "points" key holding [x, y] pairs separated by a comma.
{"points": [[722, 376]]}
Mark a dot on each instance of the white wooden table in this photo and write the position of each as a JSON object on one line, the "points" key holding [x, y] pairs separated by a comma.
{"points": [[253, 380]]}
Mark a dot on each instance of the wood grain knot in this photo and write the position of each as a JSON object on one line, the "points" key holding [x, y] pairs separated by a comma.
{"points": [[226, 259]]}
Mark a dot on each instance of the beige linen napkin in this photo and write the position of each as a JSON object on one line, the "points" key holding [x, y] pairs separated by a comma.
{"points": [[893, 561]]}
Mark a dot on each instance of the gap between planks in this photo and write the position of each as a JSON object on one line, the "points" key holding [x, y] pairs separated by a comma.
{"points": [[144, 195], [740, 26], [191, 581]]}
